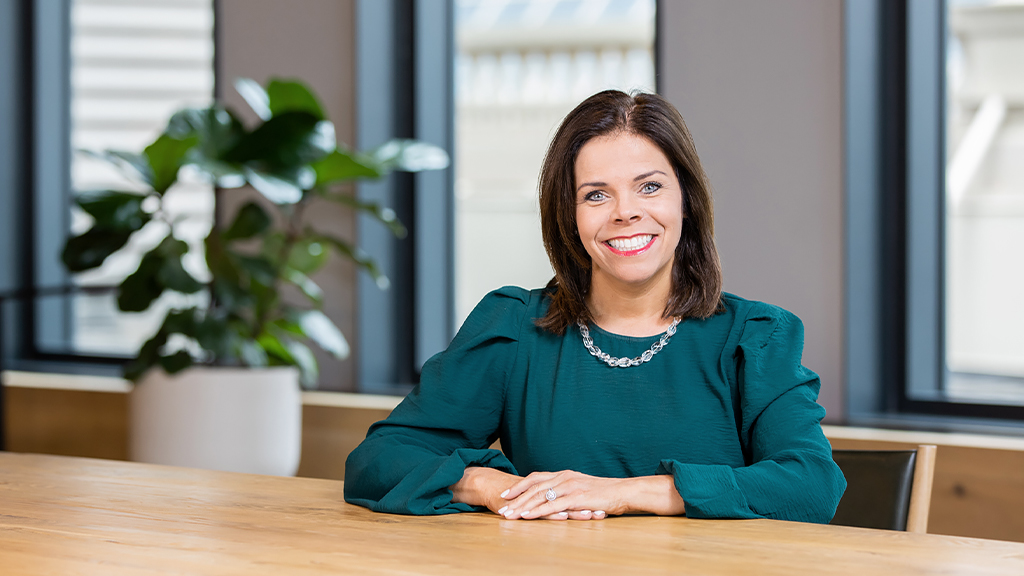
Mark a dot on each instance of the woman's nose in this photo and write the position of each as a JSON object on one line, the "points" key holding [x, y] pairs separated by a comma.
{"points": [[628, 209]]}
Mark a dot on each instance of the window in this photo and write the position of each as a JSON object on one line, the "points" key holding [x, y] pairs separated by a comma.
{"points": [[521, 66], [935, 218], [488, 81], [132, 65], [984, 218]]}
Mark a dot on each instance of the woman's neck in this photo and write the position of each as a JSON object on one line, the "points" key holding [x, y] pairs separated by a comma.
{"points": [[627, 309]]}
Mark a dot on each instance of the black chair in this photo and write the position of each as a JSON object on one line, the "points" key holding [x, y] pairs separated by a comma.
{"points": [[886, 489]]}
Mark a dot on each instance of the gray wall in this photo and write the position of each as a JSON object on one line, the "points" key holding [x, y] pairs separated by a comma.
{"points": [[12, 143], [313, 40], [760, 86]]}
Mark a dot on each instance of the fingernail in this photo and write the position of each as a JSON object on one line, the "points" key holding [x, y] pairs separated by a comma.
{"points": [[502, 509], [508, 513], [599, 513], [505, 493], [525, 514], [563, 513]]}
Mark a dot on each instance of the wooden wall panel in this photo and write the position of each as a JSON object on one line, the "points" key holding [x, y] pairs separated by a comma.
{"points": [[67, 422], [329, 434]]}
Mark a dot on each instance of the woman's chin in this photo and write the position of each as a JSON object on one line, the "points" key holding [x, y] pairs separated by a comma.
{"points": [[638, 277]]}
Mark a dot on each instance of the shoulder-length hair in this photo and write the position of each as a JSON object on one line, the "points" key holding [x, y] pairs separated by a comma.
{"points": [[696, 272]]}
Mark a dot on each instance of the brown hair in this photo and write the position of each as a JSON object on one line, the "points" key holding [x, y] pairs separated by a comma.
{"points": [[696, 273]]}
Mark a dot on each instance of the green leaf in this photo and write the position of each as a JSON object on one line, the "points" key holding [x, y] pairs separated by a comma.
{"points": [[223, 174], [174, 277], [115, 210], [176, 321], [217, 129], [141, 287], [341, 166], [219, 261], [309, 371], [255, 96], [172, 274], [160, 269], [181, 321], [149, 356], [292, 95], [117, 215], [166, 156], [287, 141], [383, 214], [357, 255], [410, 156], [307, 255], [305, 284], [319, 328], [266, 302], [259, 268], [250, 221], [89, 250], [176, 362], [277, 190], [252, 354], [133, 166], [275, 348], [230, 295], [214, 335], [284, 350], [288, 326]]}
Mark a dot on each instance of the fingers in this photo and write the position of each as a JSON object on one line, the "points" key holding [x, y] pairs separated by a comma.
{"points": [[526, 483], [527, 498], [567, 515], [535, 498]]}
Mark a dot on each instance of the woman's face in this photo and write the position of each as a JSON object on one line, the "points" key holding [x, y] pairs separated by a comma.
{"points": [[629, 210]]}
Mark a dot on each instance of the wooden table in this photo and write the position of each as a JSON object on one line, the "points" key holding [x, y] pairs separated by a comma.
{"points": [[62, 515]]}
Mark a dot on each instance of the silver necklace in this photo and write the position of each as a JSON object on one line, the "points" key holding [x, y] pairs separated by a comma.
{"points": [[625, 362]]}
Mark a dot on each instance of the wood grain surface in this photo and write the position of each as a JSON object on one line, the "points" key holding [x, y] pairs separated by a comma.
{"points": [[63, 515]]}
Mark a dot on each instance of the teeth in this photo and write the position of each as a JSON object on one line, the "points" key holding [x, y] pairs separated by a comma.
{"points": [[628, 244]]}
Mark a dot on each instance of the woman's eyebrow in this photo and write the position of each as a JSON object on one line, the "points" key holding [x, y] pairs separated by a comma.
{"points": [[648, 175], [585, 184]]}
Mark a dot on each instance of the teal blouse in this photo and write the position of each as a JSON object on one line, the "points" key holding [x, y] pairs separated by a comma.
{"points": [[726, 408]]}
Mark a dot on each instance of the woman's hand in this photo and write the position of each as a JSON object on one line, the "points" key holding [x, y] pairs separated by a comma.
{"points": [[582, 497], [482, 486]]}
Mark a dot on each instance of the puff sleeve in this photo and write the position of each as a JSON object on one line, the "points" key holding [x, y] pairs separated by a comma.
{"points": [[407, 462], [790, 473]]}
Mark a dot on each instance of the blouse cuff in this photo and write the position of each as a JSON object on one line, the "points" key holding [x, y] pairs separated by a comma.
{"points": [[425, 490], [708, 490]]}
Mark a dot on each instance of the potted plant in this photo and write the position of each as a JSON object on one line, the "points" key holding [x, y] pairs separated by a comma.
{"points": [[218, 383]]}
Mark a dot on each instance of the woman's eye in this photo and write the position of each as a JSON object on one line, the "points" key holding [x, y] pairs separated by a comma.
{"points": [[650, 187], [595, 195]]}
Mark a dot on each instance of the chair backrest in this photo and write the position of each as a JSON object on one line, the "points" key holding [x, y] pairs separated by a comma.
{"points": [[887, 489]]}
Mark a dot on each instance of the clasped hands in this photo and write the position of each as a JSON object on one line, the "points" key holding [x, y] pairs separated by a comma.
{"points": [[577, 496]]}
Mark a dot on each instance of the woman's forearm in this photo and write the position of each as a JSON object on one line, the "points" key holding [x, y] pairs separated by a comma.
{"points": [[653, 495]]}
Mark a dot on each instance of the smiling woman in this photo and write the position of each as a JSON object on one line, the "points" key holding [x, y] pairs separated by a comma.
{"points": [[696, 403]]}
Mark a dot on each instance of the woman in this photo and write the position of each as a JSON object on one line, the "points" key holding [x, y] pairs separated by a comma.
{"points": [[631, 384]]}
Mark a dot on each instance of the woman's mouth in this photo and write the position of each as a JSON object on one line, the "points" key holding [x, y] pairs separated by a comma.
{"points": [[630, 246]]}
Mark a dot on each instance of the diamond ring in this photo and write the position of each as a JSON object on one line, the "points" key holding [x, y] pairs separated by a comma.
{"points": [[550, 495]]}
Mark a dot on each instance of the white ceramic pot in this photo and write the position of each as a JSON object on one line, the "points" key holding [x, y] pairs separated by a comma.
{"points": [[233, 419]]}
